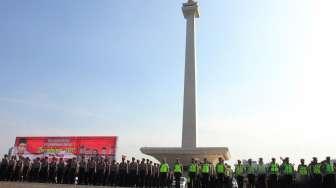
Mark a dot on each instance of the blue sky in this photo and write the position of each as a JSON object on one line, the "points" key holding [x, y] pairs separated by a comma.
{"points": [[116, 68]]}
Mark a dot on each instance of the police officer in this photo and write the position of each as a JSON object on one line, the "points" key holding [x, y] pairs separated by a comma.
{"points": [[66, 177], [113, 173], [82, 166], [164, 172], [60, 171], [35, 170], [107, 175], [11, 166], [228, 176], [273, 172], [123, 168], [44, 170], [251, 172], [205, 171], [261, 174], [178, 170], [316, 174], [52, 170], [142, 173], [302, 175], [149, 173], [239, 174], [287, 171], [220, 169], [91, 171], [100, 172], [25, 169], [4, 168], [133, 172], [17, 169], [192, 173], [328, 172], [156, 175], [212, 174], [72, 171], [128, 175]]}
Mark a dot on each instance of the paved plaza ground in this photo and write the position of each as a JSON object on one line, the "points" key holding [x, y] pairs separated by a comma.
{"points": [[42, 185]]}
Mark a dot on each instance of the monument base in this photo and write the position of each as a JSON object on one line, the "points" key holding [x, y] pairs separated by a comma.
{"points": [[186, 154]]}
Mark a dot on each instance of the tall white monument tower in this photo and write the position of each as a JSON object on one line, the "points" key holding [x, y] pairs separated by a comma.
{"points": [[189, 147], [189, 131]]}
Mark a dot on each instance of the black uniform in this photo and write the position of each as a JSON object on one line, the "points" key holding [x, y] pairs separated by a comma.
{"points": [[133, 173], [43, 175], [142, 173], [149, 177], [113, 173], [11, 166], [60, 171], [72, 171], [91, 170], [82, 172], [25, 169], [100, 176], [66, 177], [52, 171], [4, 169], [35, 169], [17, 170], [122, 173]]}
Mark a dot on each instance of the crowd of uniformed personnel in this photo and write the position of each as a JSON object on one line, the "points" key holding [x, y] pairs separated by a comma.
{"points": [[284, 175], [94, 171], [200, 174]]}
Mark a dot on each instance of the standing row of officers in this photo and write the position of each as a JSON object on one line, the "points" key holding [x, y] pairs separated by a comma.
{"points": [[145, 173], [260, 175], [94, 171], [314, 175]]}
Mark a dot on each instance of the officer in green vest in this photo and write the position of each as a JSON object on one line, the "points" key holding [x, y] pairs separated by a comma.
{"points": [[164, 171], [178, 170], [328, 172], [261, 174], [199, 174], [192, 173], [302, 175], [315, 174], [220, 169], [239, 174], [287, 171], [273, 171], [205, 171], [250, 171]]}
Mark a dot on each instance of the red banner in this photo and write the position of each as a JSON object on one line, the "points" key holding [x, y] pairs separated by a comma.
{"points": [[65, 147]]}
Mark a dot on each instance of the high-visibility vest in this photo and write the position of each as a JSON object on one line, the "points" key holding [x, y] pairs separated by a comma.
{"points": [[178, 168], [205, 168], [261, 169], [317, 169], [220, 168], [329, 168], [303, 170], [250, 169], [274, 168], [239, 170], [164, 168], [288, 169], [192, 168]]}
